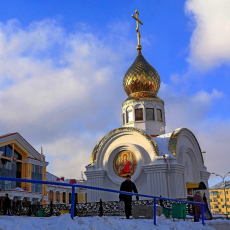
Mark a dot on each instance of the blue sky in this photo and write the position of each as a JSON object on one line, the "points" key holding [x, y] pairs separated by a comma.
{"points": [[62, 65]]}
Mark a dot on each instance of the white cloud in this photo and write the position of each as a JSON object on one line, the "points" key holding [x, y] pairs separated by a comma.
{"points": [[183, 110], [210, 41], [69, 156], [60, 90], [49, 77]]}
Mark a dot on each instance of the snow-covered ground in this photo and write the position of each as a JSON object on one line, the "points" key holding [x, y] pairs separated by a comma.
{"points": [[97, 223]]}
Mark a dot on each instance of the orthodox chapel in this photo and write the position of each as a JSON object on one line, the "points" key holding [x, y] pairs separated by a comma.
{"points": [[160, 164]]}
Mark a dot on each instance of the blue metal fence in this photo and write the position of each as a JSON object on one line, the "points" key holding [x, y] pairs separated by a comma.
{"points": [[203, 206]]}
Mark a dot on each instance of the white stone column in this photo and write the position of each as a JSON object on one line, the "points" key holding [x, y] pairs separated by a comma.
{"points": [[177, 181], [95, 178], [156, 179]]}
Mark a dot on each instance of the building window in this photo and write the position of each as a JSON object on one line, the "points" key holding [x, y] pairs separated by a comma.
{"points": [[129, 115], [150, 114], [76, 198], [211, 207], [226, 192], [222, 200], [216, 206], [138, 114], [70, 198], [64, 197], [123, 118], [8, 169], [222, 206], [159, 115], [215, 200], [36, 175], [221, 193], [213, 193], [227, 199], [57, 196], [51, 196], [210, 200]]}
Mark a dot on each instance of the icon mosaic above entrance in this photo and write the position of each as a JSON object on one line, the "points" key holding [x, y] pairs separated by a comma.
{"points": [[124, 164]]}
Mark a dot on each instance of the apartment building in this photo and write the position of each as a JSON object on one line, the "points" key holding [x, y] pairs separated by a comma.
{"points": [[217, 199]]}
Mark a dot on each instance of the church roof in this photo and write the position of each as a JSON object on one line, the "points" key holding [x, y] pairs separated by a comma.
{"points": [[162, 143], [221, 185]]}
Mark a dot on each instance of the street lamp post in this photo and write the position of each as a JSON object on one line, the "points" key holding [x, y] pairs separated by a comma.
{"points": [[223, 178]]}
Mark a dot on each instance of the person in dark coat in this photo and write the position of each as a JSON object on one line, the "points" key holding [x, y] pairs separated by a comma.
{"points": [[128, 186], [197, 198], [6, 204]]}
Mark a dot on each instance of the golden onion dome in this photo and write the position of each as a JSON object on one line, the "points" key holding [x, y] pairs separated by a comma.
{"points": [[141, 80]]}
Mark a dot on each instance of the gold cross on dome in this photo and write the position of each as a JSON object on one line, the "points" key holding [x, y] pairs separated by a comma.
{"points": [[137, 29]]}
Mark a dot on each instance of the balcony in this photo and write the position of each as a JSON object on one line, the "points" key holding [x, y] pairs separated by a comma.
{"points": [[215, 202], [215, 196]]}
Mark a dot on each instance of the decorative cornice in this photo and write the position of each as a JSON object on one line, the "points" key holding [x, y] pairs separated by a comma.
{"points": [[205, 175], [130, 100], [177, 168], [151, 168], [95, 173], [122, 130]]}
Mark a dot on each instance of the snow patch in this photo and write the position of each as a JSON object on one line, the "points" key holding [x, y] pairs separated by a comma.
{"points": [[98, 223]]}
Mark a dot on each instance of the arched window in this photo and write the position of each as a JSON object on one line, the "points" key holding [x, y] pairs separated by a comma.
{"points": [[150, 114], [159, 115], [138, 114], [129, 116]]}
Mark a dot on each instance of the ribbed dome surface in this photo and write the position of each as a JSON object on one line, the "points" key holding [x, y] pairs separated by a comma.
{"points": [[141, 80]]}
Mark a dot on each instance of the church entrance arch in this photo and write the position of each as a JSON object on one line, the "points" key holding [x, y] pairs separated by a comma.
{"points": [[191, 174]]}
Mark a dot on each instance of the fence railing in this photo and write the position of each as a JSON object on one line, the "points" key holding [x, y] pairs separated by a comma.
{"points": [[203, 206]]}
